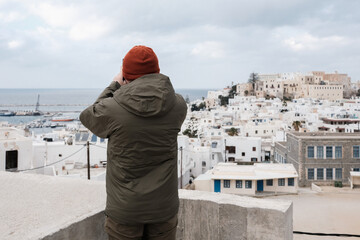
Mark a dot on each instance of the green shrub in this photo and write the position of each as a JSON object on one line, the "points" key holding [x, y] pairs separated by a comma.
{"points": [[338, 184]]}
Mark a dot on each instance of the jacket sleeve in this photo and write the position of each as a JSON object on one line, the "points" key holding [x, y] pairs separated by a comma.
{"points": [[96, 117]]}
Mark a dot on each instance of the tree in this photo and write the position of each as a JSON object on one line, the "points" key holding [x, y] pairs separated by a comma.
{"points": [[233, 132], [284, 103], [202, 106], [296, 125], [190, 133], [224, 101], [232, 91], [253, 78], [199, 107]]}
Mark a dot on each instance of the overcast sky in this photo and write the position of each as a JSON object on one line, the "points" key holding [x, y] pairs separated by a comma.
{"points": [[200, 44]]}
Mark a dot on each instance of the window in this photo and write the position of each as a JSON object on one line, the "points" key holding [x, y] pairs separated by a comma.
{"points": [[248, 184], [256, 131], [310, 151], [356, 151], [214, 144], [291, 181], [238, 183], [203, 163], [356, 169], [338, 152], [320, 173], [281, 182], [329, 151], [310, 174], [254, 149], [254, 159], [231, 149], [93, 138], [320, 152], [226, 183], [338, 173], [243, 154], [269, 182], [329, 174]]}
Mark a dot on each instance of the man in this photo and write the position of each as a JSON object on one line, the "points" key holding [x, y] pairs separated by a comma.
{"points": [[141, 116]]}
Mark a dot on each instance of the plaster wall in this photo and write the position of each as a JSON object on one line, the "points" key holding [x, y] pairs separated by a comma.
{"points": [[25, 152], [244, 145], [47, 153], [204, 185], [286, 189], [356, 180], [233, 190]]}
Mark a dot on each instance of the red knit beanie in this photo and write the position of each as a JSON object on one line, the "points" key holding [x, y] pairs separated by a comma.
{"points": [[139, 61]]}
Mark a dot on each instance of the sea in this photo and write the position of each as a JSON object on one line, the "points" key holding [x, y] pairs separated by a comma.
{"points": [[70, 102]]}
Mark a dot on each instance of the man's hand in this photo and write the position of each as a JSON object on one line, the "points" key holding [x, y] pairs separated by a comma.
{"points": [[119, 78]]}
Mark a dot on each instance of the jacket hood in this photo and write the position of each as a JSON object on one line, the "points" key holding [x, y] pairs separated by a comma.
{"points": [[147, 96]]}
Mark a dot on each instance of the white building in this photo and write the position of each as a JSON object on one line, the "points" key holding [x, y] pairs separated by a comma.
{"points": [[243, 149], [249, 179], [16, 150]]}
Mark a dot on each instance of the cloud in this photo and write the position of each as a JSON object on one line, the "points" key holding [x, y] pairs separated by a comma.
{"points": [[89, 30], [210, 49], [10, 17], [200, 43], [79, 22], [309, 42], [14, 44]]}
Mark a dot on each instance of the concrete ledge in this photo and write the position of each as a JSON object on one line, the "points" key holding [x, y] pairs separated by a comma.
{"points": [[204, 215], [89, 228], [53, 208], [37, 206]]}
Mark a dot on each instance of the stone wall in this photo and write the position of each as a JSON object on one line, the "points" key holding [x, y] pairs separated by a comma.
{"points": [[297, 155]]}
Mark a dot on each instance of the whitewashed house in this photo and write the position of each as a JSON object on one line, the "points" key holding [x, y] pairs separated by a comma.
{"points": [[16, 150], [250, 180], [242, 149]]}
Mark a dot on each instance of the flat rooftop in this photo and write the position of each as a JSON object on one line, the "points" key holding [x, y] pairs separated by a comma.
{"points": [[257, 171], [320, 135]]}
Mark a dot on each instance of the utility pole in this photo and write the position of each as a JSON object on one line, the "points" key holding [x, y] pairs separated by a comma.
{"points": [[225, 150], [88, 158], [181, 158], [46, 153]]}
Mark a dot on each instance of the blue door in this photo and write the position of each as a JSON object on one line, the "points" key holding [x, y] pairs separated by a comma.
{"points": [[260, 185], [217, 186]]}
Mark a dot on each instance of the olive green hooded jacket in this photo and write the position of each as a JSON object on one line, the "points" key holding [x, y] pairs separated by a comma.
{"points": [[141, 121]]}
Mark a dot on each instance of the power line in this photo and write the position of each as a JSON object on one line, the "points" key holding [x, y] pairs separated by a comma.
{"points": [[53, 162], [92, 144], [327, 234]]}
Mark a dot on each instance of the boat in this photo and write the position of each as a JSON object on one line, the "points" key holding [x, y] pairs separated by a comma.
{"points": [[6, 113], [62, 119]]}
